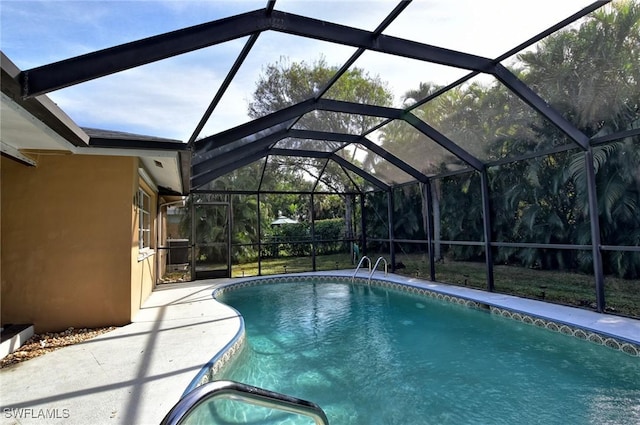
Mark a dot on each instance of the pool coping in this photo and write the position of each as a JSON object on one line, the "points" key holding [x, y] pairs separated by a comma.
{"points": [[616, 332]]}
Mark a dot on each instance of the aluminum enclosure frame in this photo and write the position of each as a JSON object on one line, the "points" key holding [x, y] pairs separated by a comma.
{"points": [[221, 153]]}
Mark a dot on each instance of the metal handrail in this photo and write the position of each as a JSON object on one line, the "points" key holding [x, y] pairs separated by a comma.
{"points": [[364, 257], [245, 393], [371, 272]]}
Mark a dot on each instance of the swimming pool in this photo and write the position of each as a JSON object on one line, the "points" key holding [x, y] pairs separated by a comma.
{"points": [[371, 355]]}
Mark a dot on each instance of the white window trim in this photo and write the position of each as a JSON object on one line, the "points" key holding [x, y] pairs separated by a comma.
{"points": [[144, 251]]}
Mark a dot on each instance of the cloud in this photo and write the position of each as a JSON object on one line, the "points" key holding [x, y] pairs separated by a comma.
{"points": [[164, 99], [356, 13], [486, 28]]}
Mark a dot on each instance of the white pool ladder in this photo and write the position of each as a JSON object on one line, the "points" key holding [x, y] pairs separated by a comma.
{"points": [[371, 272], [364, 257]]}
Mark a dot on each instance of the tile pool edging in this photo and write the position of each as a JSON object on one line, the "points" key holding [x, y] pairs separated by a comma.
{"points": [[423, 288], [572, 330], [224, 356]]}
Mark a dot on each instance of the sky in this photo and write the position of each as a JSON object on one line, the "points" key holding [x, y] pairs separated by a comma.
{"points": [[167, 98]]}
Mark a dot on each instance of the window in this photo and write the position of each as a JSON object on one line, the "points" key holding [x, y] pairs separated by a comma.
{"points": [[144, 220]]}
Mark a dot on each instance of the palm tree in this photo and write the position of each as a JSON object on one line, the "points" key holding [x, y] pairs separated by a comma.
{"points": [[590, 74], [418, 150], [617, 167]]}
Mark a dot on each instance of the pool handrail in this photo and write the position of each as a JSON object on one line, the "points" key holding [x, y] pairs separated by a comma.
{"points": [[238, 391], [371, 272], [364, 257]]}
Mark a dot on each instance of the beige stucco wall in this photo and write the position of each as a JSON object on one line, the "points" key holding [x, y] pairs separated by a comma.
{"points": [[143, 271], [66, 233]]}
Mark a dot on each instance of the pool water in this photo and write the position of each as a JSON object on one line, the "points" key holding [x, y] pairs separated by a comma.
{"points": [[371, 355]]}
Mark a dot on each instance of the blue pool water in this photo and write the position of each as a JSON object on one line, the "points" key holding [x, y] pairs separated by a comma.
{"points": [[376, 356]]}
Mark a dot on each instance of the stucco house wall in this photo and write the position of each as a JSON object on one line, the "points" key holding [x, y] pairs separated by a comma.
{"points": [[68, 230]]}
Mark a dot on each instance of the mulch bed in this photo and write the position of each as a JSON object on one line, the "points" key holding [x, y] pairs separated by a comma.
{"points": [[41, 344]]}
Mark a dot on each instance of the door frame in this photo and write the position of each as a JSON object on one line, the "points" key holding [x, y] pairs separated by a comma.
{"points": [[210, 274]]}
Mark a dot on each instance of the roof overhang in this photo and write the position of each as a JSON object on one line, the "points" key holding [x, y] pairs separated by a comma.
{"points": [[167, 161], [37, 124]]}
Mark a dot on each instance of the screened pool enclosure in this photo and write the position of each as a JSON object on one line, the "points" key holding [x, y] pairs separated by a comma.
{"points": [[434, 135]]}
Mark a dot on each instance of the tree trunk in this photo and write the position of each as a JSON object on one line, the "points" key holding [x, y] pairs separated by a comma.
{"points": [[348, 221], [435, 198], [425, 208]]}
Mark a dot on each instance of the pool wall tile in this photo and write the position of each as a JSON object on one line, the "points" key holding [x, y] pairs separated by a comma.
{"points": [[221, 360], [580, 333]]}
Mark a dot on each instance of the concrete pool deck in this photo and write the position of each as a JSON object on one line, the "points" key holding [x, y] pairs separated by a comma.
{"points": [[131, 375], [136, 373]]}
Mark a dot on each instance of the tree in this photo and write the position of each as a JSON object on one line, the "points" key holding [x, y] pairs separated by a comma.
{"points": [[212, 225], [285, 83], [591, 75], [409, 144]]}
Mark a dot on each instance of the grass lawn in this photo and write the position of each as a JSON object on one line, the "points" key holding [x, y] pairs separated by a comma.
{"points": [[293, 265], [574, 289]]}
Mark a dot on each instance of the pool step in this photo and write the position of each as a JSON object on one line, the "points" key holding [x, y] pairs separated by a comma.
{"points": [[13, 337]]}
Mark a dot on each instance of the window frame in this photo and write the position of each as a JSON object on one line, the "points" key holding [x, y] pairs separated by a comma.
{"points": [[143, 210]]}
